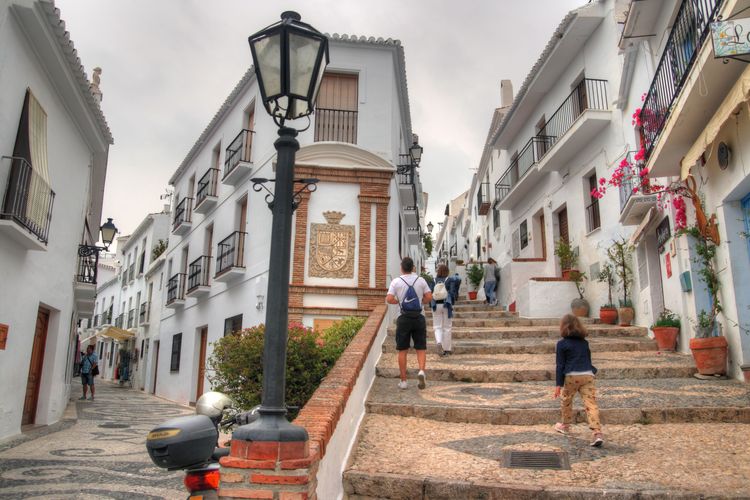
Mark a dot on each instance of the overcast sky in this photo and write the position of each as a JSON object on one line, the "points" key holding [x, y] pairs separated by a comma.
{"points": [[167, 66]]}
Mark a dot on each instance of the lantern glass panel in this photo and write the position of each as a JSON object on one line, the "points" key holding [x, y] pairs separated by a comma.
{"points": [[108, 231], [268, 52], [303, 52]]}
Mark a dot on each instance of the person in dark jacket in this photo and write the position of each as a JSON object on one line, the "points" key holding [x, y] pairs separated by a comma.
{"points": [[575, 374]]}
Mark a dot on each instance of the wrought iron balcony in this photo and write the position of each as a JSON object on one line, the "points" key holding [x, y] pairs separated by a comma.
{"points": [[97, 319], [593, 217], [230, 259], [106, 317], [406, 178], [238, 157], [27, 206], [633, 203], [335, 125], [131, 318], [131, 272], [454, 250], [88, 258], [118, 320], [689, 32], [206, 196], [176, 290], [521, 164], [183, 216], [144, 313], [483, 198], [198, 276]]}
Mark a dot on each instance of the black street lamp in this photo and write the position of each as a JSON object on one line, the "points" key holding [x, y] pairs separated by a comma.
{"points": [[88, 255], [415, 151], [430, 227], [290, 58]]}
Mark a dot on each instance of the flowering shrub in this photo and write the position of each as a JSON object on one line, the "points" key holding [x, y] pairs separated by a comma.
{"points": [[237, 361]]}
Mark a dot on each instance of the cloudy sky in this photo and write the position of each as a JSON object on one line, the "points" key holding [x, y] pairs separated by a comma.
{"points": [[169, 64]]}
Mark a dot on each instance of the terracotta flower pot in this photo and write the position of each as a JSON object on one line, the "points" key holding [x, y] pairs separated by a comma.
{"points": [[608, 315], [666, 337], [580, 308], [473, 295], [626, 315], [566, 273], [710, 355]]}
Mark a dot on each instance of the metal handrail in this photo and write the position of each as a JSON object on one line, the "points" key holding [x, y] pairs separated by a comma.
{"points": [[176, 288], [240, 149], [198, 272], [335, 125], [28, 199], [207, 185], [689, 31], [183, 212], [231, 252]]}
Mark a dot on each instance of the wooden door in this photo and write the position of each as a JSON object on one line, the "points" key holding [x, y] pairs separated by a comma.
{"points": [[202, 363], [156, 363], [249, 125], [544, 236], [562, 221], [35, 367], [243, 215]]}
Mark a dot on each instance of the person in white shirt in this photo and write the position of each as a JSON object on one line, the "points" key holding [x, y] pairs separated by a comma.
{"points": [[410, 291]]}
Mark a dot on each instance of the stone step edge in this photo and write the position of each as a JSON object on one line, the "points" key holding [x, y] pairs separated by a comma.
{"points": [[542, 416], [358, 484], [480, 375]]}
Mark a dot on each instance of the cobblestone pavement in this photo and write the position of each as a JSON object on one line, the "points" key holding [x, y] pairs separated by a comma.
{"points": [[102, 455]]}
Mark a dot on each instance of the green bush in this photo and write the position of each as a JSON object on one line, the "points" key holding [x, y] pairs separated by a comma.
{"points": [[237, 361]]}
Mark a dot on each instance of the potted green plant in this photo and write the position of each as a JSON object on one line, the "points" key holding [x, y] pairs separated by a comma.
{"points": [[474, 275], [666, 328], [580, 306], [709, 348], [607, 312], [619, 254], [568, 258]]}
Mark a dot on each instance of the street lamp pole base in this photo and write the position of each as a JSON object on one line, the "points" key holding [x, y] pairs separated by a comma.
{"points": [[271, 425]]}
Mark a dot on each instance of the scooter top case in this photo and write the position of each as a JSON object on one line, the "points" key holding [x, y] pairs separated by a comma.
{"points": [[182, 442]]}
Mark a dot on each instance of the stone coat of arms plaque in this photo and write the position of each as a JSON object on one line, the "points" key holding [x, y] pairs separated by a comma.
{"points": [[331, 248]]}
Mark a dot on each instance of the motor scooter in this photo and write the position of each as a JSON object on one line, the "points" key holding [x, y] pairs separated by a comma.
{"points": [[190, 443]]}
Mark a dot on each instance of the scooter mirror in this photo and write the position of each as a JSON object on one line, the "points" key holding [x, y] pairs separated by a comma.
{"points": [[212, 404]]}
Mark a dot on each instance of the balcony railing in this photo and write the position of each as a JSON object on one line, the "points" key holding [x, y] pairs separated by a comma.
{"points": [[688, 34], [588, 94], [28, 200], [454, 250], [183, 213], [131, 272], [118, 320], [107, 318], [144, 313], [239, 149], [630, 180], [88, 258], [335, 125], [198, 272], [207, 185], [483, 198], [96, 319], [406, 178], [231, 252], [131, 318], [176, 288], [527, 158], [593, 218]]}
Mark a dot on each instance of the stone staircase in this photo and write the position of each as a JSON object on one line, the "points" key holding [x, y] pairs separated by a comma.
{"points": [[494, 396]]}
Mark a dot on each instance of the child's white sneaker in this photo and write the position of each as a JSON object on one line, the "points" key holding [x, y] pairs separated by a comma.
{"points": [[562, 428], [422, 379], [598, 440], [403, 385]]}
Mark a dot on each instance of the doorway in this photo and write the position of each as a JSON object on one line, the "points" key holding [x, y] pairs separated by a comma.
{"points": [[201, 362], [156, 364], [36, 366], [562, 224]]}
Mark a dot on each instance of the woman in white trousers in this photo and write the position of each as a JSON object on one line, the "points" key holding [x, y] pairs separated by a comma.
{"points": [[442, 315]]}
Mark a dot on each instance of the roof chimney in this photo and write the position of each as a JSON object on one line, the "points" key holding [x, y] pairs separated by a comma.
{"points": [[94, 86], [506, 93]]}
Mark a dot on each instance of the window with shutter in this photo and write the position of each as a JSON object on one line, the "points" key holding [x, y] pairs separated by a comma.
{"points": [[174, 364]]}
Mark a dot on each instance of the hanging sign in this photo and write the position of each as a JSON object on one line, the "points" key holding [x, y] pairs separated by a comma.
{"points": [[663, 234], [731, 38]]}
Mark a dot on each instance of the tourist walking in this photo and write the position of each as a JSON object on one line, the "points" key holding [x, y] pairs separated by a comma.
{"points": [[575, 374], [410, 291], [442, 311], [491, 278], [453, 284], [89, 369]]}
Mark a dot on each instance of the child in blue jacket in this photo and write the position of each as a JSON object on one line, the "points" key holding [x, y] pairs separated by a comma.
{"points": [[575, 374]]}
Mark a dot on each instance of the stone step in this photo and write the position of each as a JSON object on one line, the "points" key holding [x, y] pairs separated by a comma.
{"points": [[538, 367], [517, 332], [419, 459], [465, 305], [534, 345], [460, 322], [489, 313], [656, 401]]}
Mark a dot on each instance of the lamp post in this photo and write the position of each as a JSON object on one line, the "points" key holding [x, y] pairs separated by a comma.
{"points": [[430, 227], [88, 255], [290, 58]]}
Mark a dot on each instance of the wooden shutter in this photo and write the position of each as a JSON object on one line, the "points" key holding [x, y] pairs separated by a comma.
{"points": [[562, 220]]}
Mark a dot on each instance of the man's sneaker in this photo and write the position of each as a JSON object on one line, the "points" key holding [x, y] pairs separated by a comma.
{"points": [[598, 440], [82, 398], [562, 428], [440, 350], [422, 379], [402, 384]]}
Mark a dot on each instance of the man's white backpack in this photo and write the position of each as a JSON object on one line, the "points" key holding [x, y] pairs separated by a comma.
{"points": [[440, 292]]}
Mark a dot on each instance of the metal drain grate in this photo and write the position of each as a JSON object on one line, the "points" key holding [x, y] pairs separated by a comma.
{"points": [[515, 459]]}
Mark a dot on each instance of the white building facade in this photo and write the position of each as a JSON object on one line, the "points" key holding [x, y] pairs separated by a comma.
{"points": [[54, 143], [349, 234]]}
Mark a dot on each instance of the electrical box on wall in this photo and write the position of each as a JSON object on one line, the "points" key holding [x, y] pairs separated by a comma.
{"points": [[685, 282]]}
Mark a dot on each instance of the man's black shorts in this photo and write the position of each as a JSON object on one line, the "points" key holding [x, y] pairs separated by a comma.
{"points": [[410, 327]]}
